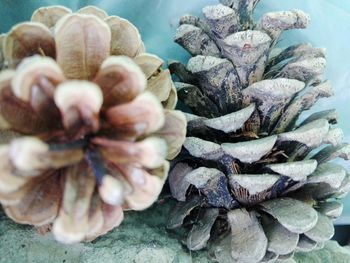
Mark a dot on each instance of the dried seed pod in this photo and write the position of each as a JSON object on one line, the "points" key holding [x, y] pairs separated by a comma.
{"points": [[91, 118], [245, 155]]}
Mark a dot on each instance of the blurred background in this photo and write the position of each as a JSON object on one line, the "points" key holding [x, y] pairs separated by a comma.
{"points": [[157, 21]]}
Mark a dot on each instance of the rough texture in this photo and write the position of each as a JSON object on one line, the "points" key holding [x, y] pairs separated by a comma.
{"points": [[264, 155], [141, 239], [331, 252]]}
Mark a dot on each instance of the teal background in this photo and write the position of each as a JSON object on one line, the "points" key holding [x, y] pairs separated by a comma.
{"points": [[157, 21]]}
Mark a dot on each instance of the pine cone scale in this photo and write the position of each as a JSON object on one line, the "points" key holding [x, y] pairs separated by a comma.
{"points": [[37, 201], [27, 39]]}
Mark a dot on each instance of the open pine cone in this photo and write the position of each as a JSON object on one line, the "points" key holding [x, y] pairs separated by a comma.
{"points": [[248, 180], [89, 122]]}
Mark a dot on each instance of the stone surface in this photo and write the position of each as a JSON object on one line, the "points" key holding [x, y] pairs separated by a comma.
{"points": [[331, 252], [142, 238]]}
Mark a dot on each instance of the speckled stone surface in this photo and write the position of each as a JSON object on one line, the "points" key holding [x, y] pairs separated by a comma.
{"points": [[331, 253], [142, 238]]}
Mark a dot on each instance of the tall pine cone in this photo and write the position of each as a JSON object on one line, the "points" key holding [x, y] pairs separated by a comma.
{"points": [[88, 122], [248, 181]]}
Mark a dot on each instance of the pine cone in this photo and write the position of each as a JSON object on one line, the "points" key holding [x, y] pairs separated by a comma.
{"points": [[89, 123], [247, 180]]}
